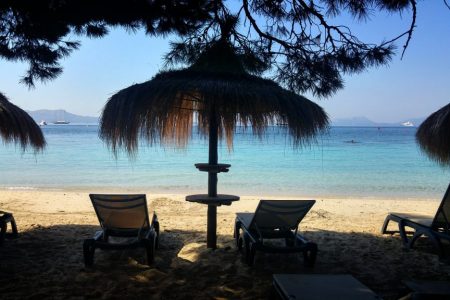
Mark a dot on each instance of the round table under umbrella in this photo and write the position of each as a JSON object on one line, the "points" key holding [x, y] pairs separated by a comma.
{"points": [[433, 135], [16, 126], [217, 93]]}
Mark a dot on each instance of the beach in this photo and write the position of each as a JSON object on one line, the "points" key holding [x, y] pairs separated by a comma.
{"points": [[46, 261]]}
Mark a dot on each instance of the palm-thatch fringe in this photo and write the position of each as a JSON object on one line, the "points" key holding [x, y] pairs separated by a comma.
{"points": [[217, 86], [18, 127], [433, 136], [162, 110]]}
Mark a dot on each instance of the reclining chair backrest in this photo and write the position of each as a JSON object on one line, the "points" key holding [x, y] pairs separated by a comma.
{"points": [[116, 212], [441, 221], [280, 216]]}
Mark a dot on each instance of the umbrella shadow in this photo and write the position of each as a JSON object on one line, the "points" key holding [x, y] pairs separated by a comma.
{"points": [[47, 262]]}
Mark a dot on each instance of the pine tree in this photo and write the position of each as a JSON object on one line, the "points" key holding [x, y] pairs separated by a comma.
{"points": [[295, 41]]}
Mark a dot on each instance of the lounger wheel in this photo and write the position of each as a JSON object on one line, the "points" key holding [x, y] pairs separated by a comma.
{"points": [[3, 228], [14, 231], [150, 245], [88, 252], [238, 237], [239, 243], [309, 256], [246, 246], [251, 255], [156, 226], [249, 250]]}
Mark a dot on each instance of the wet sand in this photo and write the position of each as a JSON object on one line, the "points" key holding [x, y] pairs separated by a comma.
{"points": [[46, 261]]}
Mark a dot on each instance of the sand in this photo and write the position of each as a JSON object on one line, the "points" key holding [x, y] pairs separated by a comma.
{"points": [[46, 260]]}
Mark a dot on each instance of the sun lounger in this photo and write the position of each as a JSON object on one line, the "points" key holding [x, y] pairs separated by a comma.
{"points": [[426, 289], [436, 228], [125, 224], [318, 287], [6, 218], [274, 219]]}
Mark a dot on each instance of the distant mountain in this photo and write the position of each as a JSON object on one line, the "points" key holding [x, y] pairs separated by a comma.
{"points": [[51, 116], [365, 122]]}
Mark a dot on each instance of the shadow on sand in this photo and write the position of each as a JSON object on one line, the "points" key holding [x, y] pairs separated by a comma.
{"points": [[47, 262]]}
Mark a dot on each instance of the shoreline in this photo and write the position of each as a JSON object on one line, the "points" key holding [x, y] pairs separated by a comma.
{"points": [[182, 193], [24, 203]]}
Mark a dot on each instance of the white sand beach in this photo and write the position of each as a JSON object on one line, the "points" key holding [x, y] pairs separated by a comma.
{"points": [[46, 261]]}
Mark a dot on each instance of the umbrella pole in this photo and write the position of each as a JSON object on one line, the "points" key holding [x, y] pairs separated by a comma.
{"points": [[211, 236]]}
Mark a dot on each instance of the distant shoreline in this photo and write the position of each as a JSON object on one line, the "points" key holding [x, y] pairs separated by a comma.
{"points": [[50, 116], [181, 194]]}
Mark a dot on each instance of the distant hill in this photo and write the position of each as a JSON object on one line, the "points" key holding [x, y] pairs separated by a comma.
{"points": [[51, 116], [365, 122]]}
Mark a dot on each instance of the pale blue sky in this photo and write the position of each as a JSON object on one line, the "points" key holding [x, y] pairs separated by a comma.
{"points": [[413, 87]]}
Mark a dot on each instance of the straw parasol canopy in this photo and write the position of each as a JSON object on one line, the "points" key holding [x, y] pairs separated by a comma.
{"points": [[433, 136], [18, 127], [216, 91]]}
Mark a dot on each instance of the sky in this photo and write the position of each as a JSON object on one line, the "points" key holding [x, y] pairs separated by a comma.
{"points": [[407, 88]]}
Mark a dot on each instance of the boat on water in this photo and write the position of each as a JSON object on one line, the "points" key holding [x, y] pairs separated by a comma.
{"points": [[61, 119], [42, 123], [408, 124]]}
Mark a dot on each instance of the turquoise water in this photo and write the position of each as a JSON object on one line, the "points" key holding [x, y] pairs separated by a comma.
{"points": [[381, 163]]}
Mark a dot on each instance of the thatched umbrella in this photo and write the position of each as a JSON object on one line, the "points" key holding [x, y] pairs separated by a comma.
{"points": [[18, 127], [433, 136], [217, 93]]}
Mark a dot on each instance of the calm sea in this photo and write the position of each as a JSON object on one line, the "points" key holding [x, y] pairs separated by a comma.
{"points": [[379, 163]]}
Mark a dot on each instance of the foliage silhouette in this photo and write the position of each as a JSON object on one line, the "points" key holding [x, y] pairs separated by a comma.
{"points": [[295, 40]]}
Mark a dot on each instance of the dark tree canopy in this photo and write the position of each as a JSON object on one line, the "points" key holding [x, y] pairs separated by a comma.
{"points": [[295, 39], [38, 32]]}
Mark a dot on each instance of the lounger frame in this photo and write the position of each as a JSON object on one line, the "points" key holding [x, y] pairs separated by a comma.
{"points": [[6, 218], [436, 232], [147, 236], [251, 238]]}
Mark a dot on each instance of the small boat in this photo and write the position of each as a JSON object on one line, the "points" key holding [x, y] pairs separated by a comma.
{"points": [[42, 123], [61, 121], [408, 124]]}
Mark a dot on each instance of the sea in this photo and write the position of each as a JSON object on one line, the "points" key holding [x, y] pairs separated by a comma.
{"points": [[344, 162]]}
